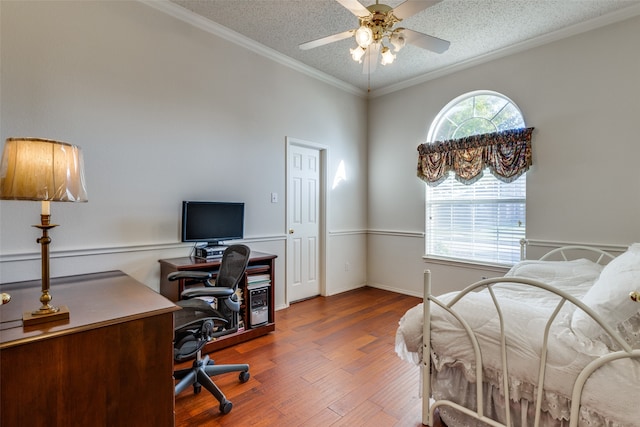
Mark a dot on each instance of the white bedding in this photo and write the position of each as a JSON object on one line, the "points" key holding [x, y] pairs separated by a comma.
{"points": [[526, 311]]}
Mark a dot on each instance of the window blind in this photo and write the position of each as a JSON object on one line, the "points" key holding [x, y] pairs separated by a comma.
{"points": [[482, 222]]}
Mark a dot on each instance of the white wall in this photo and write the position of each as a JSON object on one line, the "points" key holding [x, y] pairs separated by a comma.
{"points": [[582, 95], [164, 112]]}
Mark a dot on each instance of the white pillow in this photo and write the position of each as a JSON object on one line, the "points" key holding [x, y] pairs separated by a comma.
{"points": [[609, 298]]}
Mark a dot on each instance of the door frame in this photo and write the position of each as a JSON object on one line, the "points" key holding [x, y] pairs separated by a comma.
{"points": [[323, 152]]}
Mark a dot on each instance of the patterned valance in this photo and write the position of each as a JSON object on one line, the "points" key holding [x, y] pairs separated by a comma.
{"points": [[507, 154]]}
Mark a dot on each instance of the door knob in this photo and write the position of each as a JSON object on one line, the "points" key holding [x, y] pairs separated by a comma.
{"points": [[291, 231]]}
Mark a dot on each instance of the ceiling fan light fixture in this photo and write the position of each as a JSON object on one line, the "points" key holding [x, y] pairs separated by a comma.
{"points": [[376, 25], [357, 54], [364, 36], [387, 56]]}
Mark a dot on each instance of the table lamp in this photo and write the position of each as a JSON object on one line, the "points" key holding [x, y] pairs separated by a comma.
{"points": [[47, 171]]}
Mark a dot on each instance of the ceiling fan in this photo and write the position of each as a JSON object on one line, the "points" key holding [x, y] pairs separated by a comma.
{"points": [[377, 23]]}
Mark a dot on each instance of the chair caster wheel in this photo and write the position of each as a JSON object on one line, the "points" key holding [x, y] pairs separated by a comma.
{"points": [[197, 389], [244, 377], [225, 407]]}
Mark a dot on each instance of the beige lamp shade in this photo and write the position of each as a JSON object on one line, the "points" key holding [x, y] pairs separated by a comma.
{"points": [[42, 169]]}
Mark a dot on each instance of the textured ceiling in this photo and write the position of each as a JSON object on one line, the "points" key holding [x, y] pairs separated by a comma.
{"points": [[476, 29]]}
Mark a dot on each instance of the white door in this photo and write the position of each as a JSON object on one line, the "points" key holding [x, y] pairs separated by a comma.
{"points": [[303, 221]]}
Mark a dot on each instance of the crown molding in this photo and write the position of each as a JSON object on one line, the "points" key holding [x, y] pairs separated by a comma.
{"points": [[592, 24], [216, 29]]}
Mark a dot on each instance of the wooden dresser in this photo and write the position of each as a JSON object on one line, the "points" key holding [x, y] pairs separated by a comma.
{"points": [[109, 364]]}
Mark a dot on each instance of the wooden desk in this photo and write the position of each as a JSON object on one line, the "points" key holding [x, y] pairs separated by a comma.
{"points": [[109, 364]]}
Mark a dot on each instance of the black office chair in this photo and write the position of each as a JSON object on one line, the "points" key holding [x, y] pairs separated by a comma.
{"points": [[201, 320]]}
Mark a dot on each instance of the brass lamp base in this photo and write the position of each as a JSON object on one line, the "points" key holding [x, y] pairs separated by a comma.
{"points": [[42, 316], [46, 312]]}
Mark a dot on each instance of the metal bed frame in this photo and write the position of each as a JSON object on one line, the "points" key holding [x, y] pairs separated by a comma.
{"points": [[428, 409]]}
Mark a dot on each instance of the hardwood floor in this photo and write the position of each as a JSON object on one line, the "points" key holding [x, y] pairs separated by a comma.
{"points": [[330, 362]]}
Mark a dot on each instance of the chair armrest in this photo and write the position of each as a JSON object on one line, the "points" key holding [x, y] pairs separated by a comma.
{"points": [[202, 276], [208, 292]]}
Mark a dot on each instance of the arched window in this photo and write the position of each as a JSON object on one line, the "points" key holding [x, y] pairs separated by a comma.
{"points": [[482, 222]]}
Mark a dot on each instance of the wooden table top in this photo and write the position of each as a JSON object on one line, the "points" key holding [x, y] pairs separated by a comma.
{"points": [[94, 300]]}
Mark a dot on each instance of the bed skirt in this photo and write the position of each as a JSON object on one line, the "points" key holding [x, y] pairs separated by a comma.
{"points": [[451, 383]]}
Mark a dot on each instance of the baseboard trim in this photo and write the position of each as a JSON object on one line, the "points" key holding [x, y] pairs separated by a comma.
{"points": [[396, 290]]}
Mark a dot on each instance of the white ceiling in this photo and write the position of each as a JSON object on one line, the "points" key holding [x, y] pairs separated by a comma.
{"points": [[477, 29]]}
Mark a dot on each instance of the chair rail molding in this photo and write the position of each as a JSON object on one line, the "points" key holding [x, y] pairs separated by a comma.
{"points": [[414, 234], [108, 250], [609, 247]]}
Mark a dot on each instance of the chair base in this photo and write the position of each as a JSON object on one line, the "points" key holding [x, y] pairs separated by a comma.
{"points": [[199, 375]]}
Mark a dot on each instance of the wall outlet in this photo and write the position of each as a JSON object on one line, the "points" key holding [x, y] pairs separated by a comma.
{"points": [[274, 197], [347, 266]]}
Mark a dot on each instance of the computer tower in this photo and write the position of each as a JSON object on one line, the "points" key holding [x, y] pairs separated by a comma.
{"points": [[259, 306]]}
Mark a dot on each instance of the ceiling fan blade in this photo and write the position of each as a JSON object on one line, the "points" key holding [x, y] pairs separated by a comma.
{"points": [[370, 61], [327, 40], [355, 7], [411, 7], [426, 41]]}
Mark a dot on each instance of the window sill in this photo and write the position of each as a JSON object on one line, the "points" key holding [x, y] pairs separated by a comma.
{"points": [[475, 265]]}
